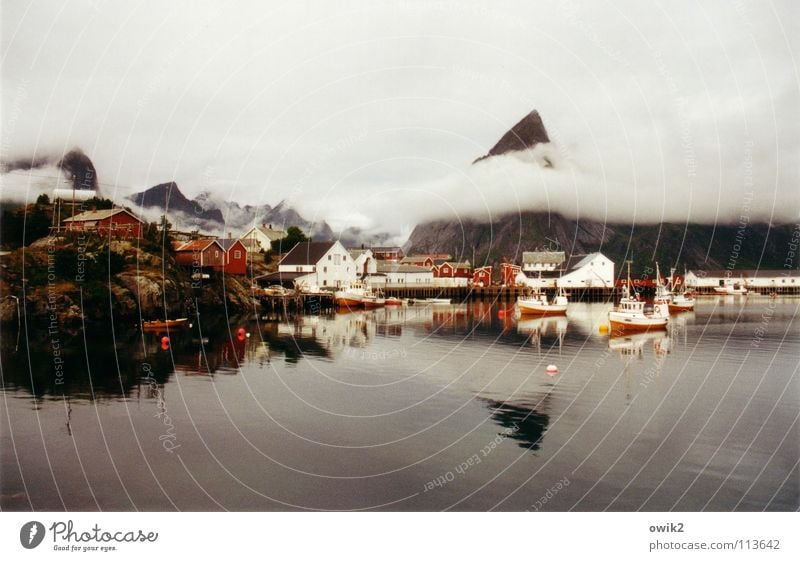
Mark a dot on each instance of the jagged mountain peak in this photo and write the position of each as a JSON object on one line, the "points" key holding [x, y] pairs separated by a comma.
{"points": [[527, 133]]}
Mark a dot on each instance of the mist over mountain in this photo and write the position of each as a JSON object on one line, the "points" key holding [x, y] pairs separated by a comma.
{"points": [[747, 243], [28, 176], [210, 213]]}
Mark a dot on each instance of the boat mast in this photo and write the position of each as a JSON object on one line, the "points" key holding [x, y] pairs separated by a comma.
{"points": [[627, 292]]}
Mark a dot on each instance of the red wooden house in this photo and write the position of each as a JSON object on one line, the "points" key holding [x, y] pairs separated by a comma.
{"points": [[235, 257], [482, 276], [117, 222], [508, 273], [201, 254], [450, 269]]}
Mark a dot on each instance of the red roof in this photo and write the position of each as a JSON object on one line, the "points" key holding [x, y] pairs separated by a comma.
{"points": [[197, 245]]}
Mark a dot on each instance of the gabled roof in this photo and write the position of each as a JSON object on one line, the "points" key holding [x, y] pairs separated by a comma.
{"points": [[549, 257], [227, 243], [578, 261], [100, 215], [198, 245], [306, 253], [279, 276], [458, 264], [411, 259], [356, 253]]}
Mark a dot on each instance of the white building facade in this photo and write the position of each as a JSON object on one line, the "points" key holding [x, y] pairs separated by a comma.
{"points": [[323, 265], [588, 271]]}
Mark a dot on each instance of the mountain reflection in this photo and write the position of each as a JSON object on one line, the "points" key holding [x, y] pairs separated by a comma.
{"points": [[521, 423]]}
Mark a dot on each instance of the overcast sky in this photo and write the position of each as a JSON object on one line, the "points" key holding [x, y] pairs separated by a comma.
{"points": [[369, 113]]}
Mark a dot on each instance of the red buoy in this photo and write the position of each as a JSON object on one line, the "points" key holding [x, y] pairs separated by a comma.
{"points": [[165, 342]]}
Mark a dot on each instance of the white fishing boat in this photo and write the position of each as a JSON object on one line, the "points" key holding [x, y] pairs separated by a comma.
{"points": [[733, 289], [679, 301], [631, 316], [373, 299], [350, 297], [537, 303]]}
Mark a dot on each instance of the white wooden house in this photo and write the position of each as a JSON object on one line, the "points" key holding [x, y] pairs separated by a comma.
{"points": [[310, 265], [594, 270]]}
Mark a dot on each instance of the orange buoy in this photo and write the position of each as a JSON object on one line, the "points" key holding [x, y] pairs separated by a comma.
{"points": [[165, 342], [240, 334]]}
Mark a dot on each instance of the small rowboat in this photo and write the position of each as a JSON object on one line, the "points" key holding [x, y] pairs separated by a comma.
{"points": [[392, 301], [159, 325]]}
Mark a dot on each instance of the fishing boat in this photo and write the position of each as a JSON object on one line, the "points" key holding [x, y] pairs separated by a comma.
{"points": [[538, 304], [373, 299], [350, 297], [731, 289], [162, 325], [630, 314], [680, 300]]}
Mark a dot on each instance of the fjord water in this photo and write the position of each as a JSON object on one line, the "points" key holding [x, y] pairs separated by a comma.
{"points": [[414, 408]]}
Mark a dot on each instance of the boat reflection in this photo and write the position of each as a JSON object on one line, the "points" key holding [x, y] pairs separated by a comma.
{"points": [[547, 326], [634, 344]]}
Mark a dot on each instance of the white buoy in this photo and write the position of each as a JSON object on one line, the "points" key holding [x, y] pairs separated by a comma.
{"points": [[552, 368]]}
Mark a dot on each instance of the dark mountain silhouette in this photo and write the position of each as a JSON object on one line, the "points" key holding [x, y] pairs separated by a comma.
{"points": [[168, 198], [526, 134], [211, 214]]}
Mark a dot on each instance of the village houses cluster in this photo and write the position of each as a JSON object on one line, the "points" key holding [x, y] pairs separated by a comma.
{"points": [[327, 265]]}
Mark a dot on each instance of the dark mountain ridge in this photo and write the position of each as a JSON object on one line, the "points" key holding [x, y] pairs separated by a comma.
{"points": [[698, 246]]}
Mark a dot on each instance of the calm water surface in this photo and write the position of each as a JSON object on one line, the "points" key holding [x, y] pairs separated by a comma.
{"points": [[415, 408]]}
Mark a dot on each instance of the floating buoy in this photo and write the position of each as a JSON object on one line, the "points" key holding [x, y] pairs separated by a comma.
{"points": [[552, 369], [165, 342], [603, 328], [240, 334], [501, 314]]}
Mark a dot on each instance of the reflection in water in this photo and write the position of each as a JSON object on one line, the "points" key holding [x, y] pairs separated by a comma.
{"points": [[422, 377], [522, 423], [552, 326], [634, 344]]}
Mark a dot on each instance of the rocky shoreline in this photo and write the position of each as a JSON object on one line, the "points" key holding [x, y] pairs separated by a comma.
{"points": [[74, 281]]}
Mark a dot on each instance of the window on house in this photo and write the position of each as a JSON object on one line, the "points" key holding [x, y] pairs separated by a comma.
{"points": [[337, 259], [324, 283], [324, 269], [298, 269], [329, 258], [216, 253], [237, 254]]}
